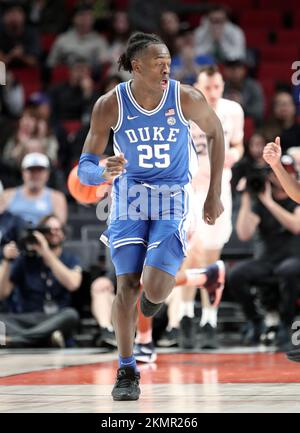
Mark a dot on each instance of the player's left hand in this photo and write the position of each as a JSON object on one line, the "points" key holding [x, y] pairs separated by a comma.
{"points": [[212, 208]]}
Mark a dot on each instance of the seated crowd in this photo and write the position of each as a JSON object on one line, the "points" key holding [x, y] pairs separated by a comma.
{"points": [[58, 65]]}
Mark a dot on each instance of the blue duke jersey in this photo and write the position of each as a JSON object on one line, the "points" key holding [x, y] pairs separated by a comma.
{"points": [[157, 144], [146, 226]]}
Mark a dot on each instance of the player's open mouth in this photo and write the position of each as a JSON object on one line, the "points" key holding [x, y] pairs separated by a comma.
{"points": [[164, 83]]}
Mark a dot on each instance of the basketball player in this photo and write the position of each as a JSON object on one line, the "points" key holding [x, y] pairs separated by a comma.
{"points": [[149, 116], [207, 241]]}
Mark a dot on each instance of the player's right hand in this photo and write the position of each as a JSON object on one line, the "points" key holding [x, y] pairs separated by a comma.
{"points": [[10, 251], [272, 152], [114, 166], [212, 209]]}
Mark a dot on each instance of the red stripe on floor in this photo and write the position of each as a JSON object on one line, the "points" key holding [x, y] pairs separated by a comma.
{"points": [[175, 369]]}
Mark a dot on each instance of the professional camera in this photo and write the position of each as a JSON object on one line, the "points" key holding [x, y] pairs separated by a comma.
{"points": [[256, 180], [26, 239]]}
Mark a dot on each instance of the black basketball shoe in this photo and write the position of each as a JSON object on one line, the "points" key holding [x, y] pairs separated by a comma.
{"points": [[127, 384]]}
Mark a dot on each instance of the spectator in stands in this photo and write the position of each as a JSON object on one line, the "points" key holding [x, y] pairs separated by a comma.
{"points": [[117, 39], [277, 220], [47, 15], [73, 99], [103, 294], [109, 83], [145, 16], [252, 160], [55, 141], [186, 66], [283, 121], [19, 43], [80, 41], [10, 228], [10, 225], [244, 90], [170, 30], [44, 276], [33, 199], [33, 134], [219, 37], [12, 98]]}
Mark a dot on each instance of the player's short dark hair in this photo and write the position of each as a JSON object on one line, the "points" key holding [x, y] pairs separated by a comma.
{"points": [[209, 70], [136, 43]]}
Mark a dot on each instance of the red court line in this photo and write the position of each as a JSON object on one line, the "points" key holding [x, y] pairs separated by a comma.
{"points": [[175, 369]]}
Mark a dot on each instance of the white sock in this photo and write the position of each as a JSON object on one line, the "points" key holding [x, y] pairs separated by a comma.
{"points": [[187, 309], [272, 319], [209, 315]]}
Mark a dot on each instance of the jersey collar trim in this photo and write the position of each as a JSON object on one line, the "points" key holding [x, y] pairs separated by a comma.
{"points": [[142, 110]]}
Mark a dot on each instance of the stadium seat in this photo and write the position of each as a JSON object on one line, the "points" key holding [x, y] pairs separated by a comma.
{"points": [[121, 4], [278, 4], [88, 252], [194, 19], [256, 37], [297, 19], [268, 86], [70, 5], [47, 40], [236, 4], [90, 232], [264, 19], [77, 221], [71, 126], [30, 79], [59, 73], [288, 36], [249, 127], [280, 72], [282, 53]]}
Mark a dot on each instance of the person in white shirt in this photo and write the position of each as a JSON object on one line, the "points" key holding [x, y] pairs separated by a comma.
{"points": [[206, 242]]}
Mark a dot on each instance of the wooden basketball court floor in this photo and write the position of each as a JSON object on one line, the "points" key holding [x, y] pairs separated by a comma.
{"points": [[229, 380]]}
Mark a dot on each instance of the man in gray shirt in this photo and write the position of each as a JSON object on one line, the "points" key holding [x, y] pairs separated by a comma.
{"points": [[219, 37], [80, 41]]}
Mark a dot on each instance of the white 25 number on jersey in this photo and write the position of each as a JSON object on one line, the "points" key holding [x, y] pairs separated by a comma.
{"points": [[162, 159]]}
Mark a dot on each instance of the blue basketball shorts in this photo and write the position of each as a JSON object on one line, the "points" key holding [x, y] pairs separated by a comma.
{"points": [[147, 231]]}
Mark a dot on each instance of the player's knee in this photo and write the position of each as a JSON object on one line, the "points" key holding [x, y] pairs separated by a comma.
{"points": [[128, 291], [156, 294]]}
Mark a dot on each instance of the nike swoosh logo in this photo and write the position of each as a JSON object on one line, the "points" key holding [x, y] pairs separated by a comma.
{"points": [[131, 117], [173, 194]]}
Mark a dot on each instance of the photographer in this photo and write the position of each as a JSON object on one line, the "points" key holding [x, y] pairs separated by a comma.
{"points": [[266, 207], [43, 276]]}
